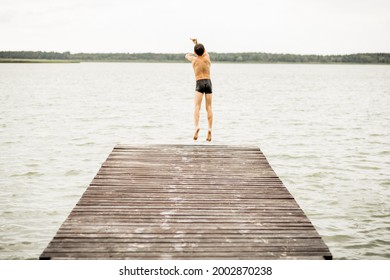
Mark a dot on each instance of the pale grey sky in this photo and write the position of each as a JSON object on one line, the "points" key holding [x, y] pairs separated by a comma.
{"points": [[276, 26]]}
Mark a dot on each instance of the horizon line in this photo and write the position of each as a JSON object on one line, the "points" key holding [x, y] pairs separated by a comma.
{"points": [[235, 52]]}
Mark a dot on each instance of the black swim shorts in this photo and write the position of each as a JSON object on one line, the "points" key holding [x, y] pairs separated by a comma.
{"points": [[204, 86]]}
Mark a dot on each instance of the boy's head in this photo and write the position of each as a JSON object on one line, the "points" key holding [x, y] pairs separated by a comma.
{"points": [[199, 49]]}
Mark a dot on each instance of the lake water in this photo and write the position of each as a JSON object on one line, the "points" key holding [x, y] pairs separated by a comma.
{"points": [[324, 128]]}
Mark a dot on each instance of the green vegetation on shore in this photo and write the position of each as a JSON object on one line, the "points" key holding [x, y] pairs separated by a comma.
{"points": [[251, 57], [23, 60]]}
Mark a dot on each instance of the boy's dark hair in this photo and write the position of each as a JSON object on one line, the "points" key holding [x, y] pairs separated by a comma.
{"points": [[199, 49]]}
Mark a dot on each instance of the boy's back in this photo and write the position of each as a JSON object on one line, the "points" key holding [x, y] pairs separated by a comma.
{"points": [[202, 67]]}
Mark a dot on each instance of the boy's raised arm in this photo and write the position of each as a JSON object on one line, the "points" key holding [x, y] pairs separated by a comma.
{"points": [[189, 56]]}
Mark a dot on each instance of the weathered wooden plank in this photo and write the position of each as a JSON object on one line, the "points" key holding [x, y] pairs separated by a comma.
{"points": [[186, 202], [88, 234], [178, 250], [188, 196], [152, 247], [188, 213], [183, 204], [188, 255]]}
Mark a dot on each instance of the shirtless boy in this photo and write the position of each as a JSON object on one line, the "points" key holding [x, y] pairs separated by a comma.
{"points": [[201, 64]]}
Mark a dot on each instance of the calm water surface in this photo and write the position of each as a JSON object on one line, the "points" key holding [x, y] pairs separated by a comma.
{"points": [[324, 128]]}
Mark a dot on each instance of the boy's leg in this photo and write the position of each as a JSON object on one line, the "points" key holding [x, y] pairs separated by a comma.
{"points": [[209, 109], [198, 103]]}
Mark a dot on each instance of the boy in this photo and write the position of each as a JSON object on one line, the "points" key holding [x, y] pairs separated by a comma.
{"points": [[201, 64]]}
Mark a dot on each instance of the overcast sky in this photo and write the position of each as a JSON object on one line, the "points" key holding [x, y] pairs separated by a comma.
{"points": [[276, 26]]}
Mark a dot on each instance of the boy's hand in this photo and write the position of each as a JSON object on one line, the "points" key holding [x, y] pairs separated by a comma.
{"points": [[194, 40]]}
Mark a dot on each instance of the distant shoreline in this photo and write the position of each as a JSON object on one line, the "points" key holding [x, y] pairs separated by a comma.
{"points": [[16, 60], [252, 57], [48, 61]]}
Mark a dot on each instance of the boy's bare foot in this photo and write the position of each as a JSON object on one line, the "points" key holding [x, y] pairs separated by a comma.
{"points": [[196, 133], [208, 136]]}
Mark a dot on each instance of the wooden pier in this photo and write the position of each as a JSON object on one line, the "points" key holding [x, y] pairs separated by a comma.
{"points": [[186, 202]]}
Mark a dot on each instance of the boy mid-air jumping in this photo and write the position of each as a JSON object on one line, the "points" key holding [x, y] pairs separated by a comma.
{"points": [[201, 64]]}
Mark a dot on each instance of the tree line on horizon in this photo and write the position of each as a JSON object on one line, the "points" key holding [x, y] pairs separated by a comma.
{"points": [[247, 57]]}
